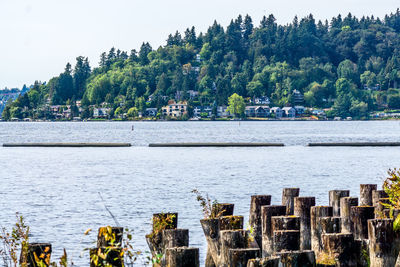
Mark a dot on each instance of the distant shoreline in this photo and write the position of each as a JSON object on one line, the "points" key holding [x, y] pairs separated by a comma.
{"points": [[246, 120]]}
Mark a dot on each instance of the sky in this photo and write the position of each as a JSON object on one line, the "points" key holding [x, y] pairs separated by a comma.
{"points": [[38, 37]]}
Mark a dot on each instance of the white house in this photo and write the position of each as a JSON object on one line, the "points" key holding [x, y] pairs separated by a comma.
{"points": [[101, 112], [289, 112], [299, 110], [222, 111], [277, 111]]}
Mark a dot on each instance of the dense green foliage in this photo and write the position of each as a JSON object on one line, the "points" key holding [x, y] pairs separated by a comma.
{"points": [[348, 64]]}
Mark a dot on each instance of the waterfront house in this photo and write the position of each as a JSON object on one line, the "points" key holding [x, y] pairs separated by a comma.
{"points": [[222, 112], [101, 112], [299, 110], [197, 112], [298, 97], [174, 109], [257, 111], [277, 111], [289, 112], [263, 100], [150, 112]]}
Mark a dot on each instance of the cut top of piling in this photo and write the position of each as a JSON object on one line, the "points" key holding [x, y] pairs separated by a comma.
{"points": [[216, 145], [67, 145]]}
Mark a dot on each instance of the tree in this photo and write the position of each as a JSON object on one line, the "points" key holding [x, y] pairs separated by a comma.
{"points": [[81, 74], [132, 112], [236, 105], [394, 101]]}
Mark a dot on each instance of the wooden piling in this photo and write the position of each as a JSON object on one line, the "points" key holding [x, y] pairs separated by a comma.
{"points": [[231, 239], [359, 216], [334, 200], [286, 240], [272, 261], [302, 208], [109, 242], [366, 194], [288, 195], [304, 258], [175, 238], [315, 213], [161, 222], [222, 209], [381, 210], [41, 251], [255, 215], [342, 248], [329, 225], [267, 235], [239, 257], [382, 250], [182, 257], [285, 223], [345, 205], [376, 195], [233, 222], [219, 210]]}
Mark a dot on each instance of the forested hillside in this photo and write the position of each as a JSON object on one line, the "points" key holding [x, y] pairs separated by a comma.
{"points": [[349, 64]]}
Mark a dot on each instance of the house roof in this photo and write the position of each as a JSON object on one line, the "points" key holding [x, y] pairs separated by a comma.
{"points": [[287, 108]]}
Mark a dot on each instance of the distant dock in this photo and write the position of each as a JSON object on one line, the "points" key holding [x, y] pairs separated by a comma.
{"points": [[360, 144], [67, 145], [216, 145]]}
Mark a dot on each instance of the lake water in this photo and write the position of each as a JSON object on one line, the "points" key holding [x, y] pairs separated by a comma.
{"points": [[56, 189]]}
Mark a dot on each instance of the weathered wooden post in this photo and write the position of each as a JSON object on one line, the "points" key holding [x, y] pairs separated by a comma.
{"points": [[218, 210], [288, 195], [382, 243], [376, 195], [182, 257], [161, 221], [286, 240], [329, 225], [334, 200], [345, 205], [279, 223], [267, 235], [272, 261], [297, 258], [342, 248], [175, 238], [381, 211], [220, 242], [302, 208], [34, 251], [239, 257], [366, 194], [359, 218], [317, 212], [230, 239], [222, 209], [255, 215]]}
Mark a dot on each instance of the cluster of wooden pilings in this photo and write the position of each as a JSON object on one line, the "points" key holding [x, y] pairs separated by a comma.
{"points": [[351, 231]]}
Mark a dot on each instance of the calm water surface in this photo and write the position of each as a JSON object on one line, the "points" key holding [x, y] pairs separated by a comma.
{"points": [[56, 189]]}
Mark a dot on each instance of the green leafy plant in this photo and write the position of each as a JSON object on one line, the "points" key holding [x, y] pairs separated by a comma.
{"points": [[123, 251], [391, 186], [210, 210], [13, 241]]}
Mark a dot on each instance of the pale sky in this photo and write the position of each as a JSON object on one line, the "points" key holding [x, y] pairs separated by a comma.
{"points": [[38, 37]]}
